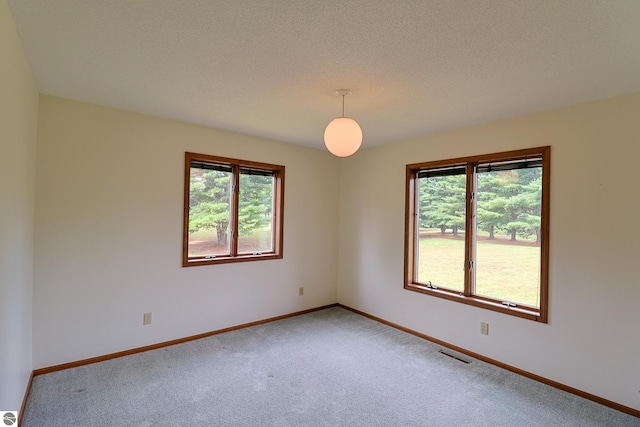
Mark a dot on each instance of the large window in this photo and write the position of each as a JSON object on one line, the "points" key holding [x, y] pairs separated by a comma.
{"points": [[477, 231], [233, 210]]}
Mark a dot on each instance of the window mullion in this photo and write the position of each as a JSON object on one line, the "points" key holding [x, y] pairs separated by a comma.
{"points": [[278, 206], [469, 235], [235, 201], [415, 225], [411, 228]]}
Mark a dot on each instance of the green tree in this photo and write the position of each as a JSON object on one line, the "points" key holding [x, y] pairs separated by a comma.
{"points": [[490, 205], [209, 201], [442, 202], [524, 204], [510, 201], [256, 199]]}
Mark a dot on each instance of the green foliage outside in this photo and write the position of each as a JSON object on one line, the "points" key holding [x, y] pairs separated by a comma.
{"points": [[210, 201], [256, 203], [442, 202], [508, 202]]}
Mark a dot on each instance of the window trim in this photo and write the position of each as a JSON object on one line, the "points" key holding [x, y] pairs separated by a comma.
{"points": [[467, 297], [236, 166]]}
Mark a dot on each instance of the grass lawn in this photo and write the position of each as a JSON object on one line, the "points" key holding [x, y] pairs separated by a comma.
{"points": [[205, 242], [504, 270]]}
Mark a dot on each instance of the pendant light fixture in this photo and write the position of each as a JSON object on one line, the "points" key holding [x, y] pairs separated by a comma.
{"points": [[343, 135]]}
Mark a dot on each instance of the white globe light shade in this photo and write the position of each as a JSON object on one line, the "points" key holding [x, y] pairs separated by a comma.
{"points": [[343, 136]]}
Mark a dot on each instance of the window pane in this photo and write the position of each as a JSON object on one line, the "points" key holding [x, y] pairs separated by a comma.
{"points": [[255, 219], [508, 214], [209, 212], [441, 221]]}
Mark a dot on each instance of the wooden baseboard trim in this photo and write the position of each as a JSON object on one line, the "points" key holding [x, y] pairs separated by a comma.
{"points": [[97, 359], [24, 398], [555, 384]]}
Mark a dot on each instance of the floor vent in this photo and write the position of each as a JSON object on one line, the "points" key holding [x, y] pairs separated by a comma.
{"points": [[453, 356]]}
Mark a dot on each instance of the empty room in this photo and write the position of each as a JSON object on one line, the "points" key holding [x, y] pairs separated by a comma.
{"points": [[319, 213]]}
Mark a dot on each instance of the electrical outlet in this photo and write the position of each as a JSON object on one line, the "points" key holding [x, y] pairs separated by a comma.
{"points": [[146, 319], [301, 290], [484, 328]]}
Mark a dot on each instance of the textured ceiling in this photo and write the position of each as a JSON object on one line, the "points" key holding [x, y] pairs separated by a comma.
{"points": [[270, 68]]}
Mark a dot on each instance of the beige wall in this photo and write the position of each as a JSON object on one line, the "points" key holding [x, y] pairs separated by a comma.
{"points": [[109, 234], [592, 340], [18, 119]]}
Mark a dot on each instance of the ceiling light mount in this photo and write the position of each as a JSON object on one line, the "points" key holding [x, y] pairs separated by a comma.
{"points": [[343, 135], [343, 92]]}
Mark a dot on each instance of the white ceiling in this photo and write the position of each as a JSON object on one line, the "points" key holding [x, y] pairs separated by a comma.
{"points": [[270, 68]]}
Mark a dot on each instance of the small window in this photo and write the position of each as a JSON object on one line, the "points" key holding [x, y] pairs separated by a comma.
{"points": [[233, 210], [477, 231]]}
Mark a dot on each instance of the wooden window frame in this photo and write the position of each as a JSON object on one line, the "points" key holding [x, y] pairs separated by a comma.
{"points": [[468, 297], [277, 213]]}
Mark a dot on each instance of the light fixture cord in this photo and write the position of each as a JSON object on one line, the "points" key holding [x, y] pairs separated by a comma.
{"points": [[342, 105]]}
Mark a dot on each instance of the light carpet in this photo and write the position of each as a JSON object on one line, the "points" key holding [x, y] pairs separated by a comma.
{"points": [[326, 368]]}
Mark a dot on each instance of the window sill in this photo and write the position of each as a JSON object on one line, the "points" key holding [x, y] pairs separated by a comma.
{"points": [[520, 311], [193, 262]]}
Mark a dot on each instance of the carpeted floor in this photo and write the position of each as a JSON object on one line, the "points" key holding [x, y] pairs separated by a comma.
{"points": [[327, 368]]}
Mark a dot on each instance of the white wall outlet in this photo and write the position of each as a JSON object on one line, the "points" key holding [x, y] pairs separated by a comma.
{"points": [[484, 328], [301, 290], [146, 319]]}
